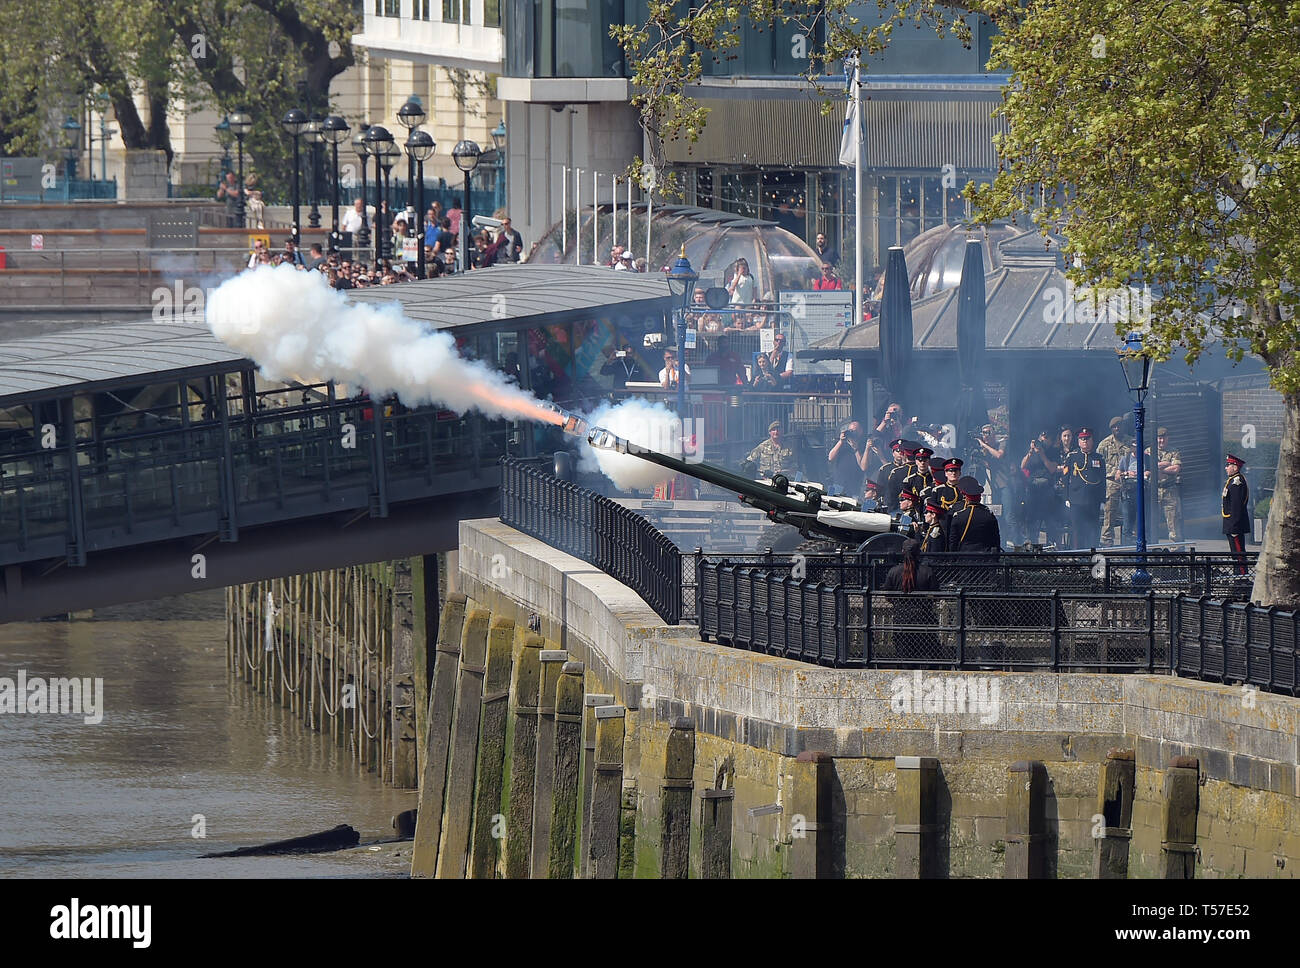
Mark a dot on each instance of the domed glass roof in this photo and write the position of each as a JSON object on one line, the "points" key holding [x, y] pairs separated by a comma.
{"points": [[934, 257], [714, 240]]}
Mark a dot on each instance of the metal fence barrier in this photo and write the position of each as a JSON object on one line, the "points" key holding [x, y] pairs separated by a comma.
{"points": [[590, 526]]}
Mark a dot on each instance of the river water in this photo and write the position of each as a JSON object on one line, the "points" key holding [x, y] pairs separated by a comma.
{"points": [[180, 748]]}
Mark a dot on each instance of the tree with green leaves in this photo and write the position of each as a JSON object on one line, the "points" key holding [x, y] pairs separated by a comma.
{"points": [[1166, 135], [261, 56]]}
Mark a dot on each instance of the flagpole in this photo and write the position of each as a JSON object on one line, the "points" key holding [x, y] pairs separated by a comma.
{"points": [[857, 190]]}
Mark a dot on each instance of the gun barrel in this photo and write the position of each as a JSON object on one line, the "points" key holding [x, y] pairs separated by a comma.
{"points": [[762, 493]]}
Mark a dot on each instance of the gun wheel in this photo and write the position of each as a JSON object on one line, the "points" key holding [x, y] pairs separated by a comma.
{"points": [[781, 538]]}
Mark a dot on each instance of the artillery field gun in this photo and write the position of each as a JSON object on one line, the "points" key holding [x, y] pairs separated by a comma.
{"points": [[804, 516]]}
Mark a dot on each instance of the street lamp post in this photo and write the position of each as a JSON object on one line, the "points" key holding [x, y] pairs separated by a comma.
{"points": [[71, 148], [362, 148], [1137, 374], [294, 123], [389, 153], [499, 142], [224, 140], [102, 101], [419, 146], [466, 154], [334, 129], [240, 125], [410, 116], [378, 140], [681, 283], [314, 138]]}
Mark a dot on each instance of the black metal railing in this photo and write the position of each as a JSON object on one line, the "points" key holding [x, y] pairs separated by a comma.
{"points": [[1169, 573], [817, 619], [590, 526]]}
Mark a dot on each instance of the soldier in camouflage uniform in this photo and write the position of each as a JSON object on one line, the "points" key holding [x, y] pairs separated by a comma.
{"points": [[1112, 450], [1169, 483], [771, 456]]}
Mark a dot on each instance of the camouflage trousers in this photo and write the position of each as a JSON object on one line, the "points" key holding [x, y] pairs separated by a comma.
{"points": [[1112, 515], [1171, 503]]}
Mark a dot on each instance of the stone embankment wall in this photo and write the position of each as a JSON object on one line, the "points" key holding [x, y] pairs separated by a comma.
{"points": [[883, 773]]}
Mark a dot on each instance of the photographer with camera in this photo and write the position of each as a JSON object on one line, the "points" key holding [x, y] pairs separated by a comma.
{"points": [[1040, 472], [848, 459]]}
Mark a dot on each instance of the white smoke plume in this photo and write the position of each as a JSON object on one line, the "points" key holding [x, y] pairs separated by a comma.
{"points": [[651, 425], [297, 328]]}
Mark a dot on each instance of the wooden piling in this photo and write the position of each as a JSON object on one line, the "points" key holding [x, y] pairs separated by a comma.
{"points": [[454, 853], [675, 801], [607, 793], [544, 777], [808, 815], [715, 833], [590, 704], [523, 758], [916, 809], [489, 820], [1115, 790], [567, 779], [1178, 819], [442, 698], [1026, 808]]}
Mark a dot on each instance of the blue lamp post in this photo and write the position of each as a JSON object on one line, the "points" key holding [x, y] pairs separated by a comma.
{"points": [[681, 283], [1137, 374]]}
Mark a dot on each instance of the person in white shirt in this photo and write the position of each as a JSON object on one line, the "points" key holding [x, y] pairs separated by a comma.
{"points": [[742, 285], [668, 375], [353, 218]]}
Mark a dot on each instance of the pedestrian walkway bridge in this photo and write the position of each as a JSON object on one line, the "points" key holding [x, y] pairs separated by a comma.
{"points": [[149, 459]]}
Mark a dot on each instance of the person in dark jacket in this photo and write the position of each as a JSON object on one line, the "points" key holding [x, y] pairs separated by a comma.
{"points": [[911, 575], [1236, 510], [973, 527], [935, 534], [914, 613]]}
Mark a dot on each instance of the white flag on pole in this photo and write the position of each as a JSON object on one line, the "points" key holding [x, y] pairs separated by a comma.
{"points": [[849, 139], [852, 123]]}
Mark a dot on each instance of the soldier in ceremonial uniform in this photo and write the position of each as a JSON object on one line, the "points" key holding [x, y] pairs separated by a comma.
{"points": [[870, 491], [1085, 490], [905, 450], [1112, 450], [935, 536], [907, 505], [919, 478], [973, 527], [1169, 467], [772, 456], [946, 491], [1236, 510]]}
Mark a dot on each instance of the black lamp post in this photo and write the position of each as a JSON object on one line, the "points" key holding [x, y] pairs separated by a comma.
{"points": [[499, 141], [312, 135], [71, 148], [681, 283], [1137, 374], [388, 155], [466, 154], [419, 146], [362, 148], [294, 123], [378, 140], [410, 116], [224, 139], [334, 129], [240, 125]]}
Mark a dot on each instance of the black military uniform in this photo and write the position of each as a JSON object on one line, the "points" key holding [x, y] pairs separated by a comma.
{"points": [[1236, 510], [919, 478], [948, 495], [1085, 490], [914, 512], [973, 527], [935, 536], [897, 475]]}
